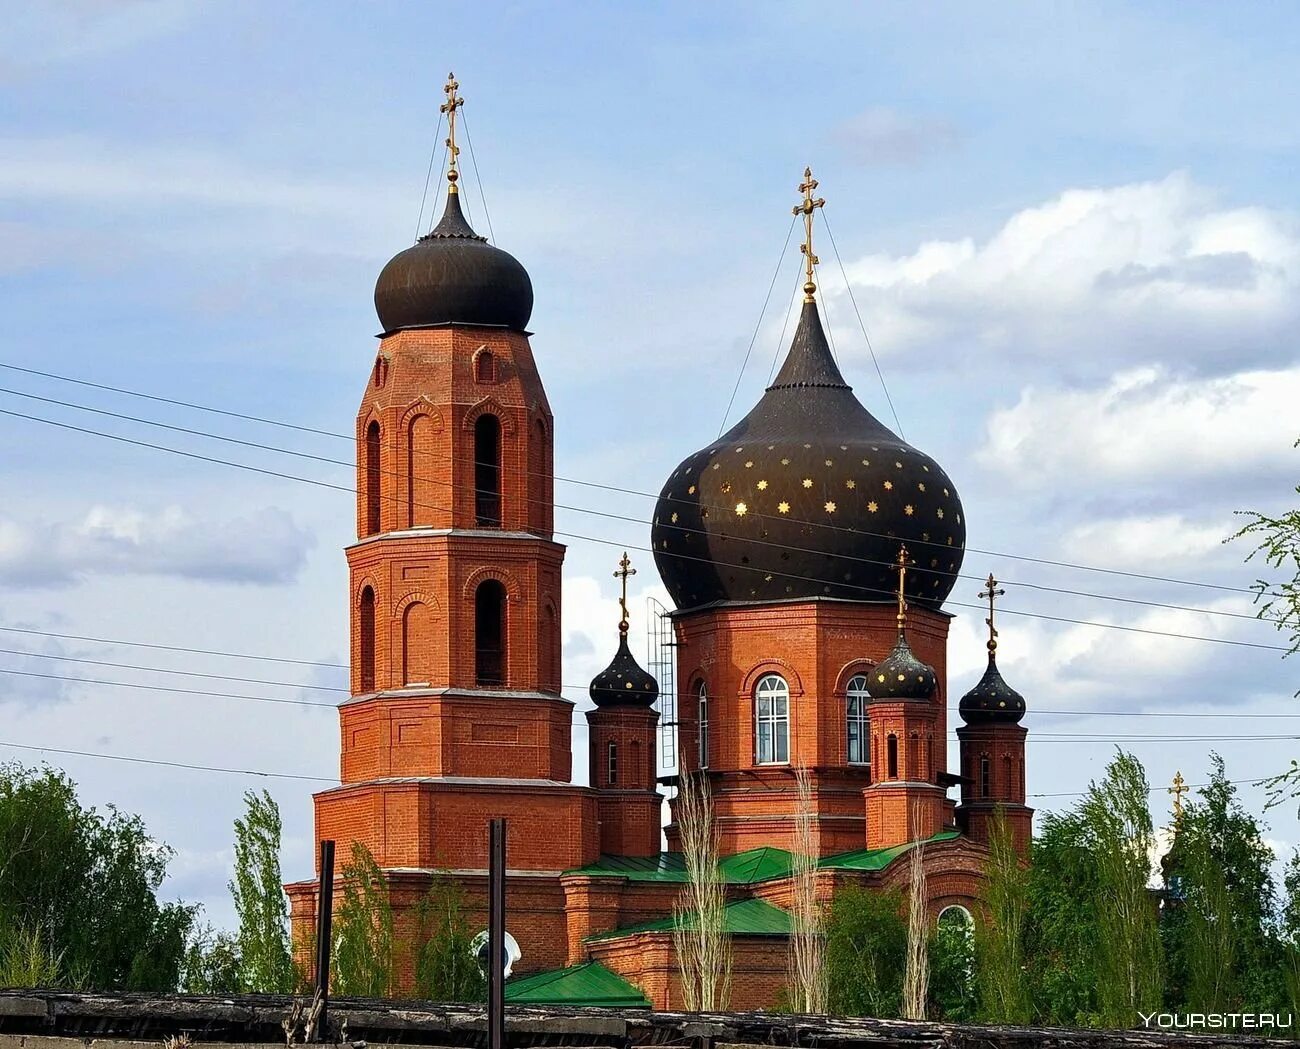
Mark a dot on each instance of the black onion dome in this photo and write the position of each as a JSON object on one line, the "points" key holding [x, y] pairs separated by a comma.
{"points": [[623, 682], [453, 276], [900, 675], [808, 496], [992, 699]]}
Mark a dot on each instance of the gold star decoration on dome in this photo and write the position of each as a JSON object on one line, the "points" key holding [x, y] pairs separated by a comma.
{"points": [[761, 486], [806, 207], [453, 103], [783, 508]]}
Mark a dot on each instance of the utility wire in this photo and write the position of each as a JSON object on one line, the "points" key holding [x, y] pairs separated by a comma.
{"points": [[879, 374], [757, 327], [167, 764], [632, 546], [1154, 790], [428, 177], [780, 342], [351, 438], [477, 177], [351, 465]]}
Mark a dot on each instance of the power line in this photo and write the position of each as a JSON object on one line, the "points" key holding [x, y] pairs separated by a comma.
{"points": [[1225, 613], [168, 764], [477, 176], [643, 549], [163, 688], [1073, 566], [1154, 790], [428, 176]]}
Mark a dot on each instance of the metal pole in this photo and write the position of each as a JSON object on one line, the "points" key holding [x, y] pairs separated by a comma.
{"points": [[324, 933], [496, 934]]}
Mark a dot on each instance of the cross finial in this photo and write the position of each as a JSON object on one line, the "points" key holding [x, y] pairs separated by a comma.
{"points": [[806, 208], [1179, 788], [625, 569], [901, 564], [992, 592], [453, 103]]}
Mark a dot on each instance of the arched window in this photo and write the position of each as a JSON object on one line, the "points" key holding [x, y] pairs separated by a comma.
{"points": [[417, 644], [703, 714], [611, 764], [485, 367], [372, 478], [421, 499], [1008, 785], [856, 721], [772, 720], [891, 751], [548, 643], [367, 632], [984, 775], [490, 633], [487, 470]]}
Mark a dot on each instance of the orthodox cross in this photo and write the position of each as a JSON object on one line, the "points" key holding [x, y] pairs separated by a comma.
{"points": [[1179, 788], [992, 592], [625, 569], [901, 564], [806, 208], [453, 103]]}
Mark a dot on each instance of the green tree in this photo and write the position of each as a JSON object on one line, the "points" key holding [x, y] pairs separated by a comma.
{"points": [[1000, 937], [265, 961], [1129, 956], [1220, 927], [212, 963], [952, 968], [57, 858], [363, 930], [445, 970], [1289, 935], [866, 948]]}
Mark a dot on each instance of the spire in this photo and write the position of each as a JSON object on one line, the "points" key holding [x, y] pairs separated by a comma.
{"points": [[453, 103], [900, 675], [901, 594], [992, 592], [806, 208], [623, 683], [992, 699], [1179, 788]]}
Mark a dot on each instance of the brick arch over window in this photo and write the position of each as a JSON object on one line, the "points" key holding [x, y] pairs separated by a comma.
{"points": [[421, 427], [772, 666], [850, 670], [416, 618], [514, 591], [492, 406], [485, 365]]}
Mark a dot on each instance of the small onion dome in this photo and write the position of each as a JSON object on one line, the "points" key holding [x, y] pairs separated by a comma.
{"points": [[808, 496], [453, 276], [900, 675], [623, 683], [992, 699]]}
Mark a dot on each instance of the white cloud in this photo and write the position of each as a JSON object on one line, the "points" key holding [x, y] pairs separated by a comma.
{"points": [[881, 135], [49, 33], [1147, 423], [1143, 541], [1159, 269], [267, 547]]}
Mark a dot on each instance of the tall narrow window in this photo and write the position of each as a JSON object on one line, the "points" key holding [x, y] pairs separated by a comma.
{"points": [[417, 644], [704, 726], [891, 752], [490, 633], [611, 764], [984, 775], [485, 366], [421, 499], [857, 723], [367, 632], [372, 478], [487, 471], [772, 720], [1008, 777]]}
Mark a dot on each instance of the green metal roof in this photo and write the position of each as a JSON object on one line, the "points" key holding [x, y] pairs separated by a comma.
{"points": [[587, 984], [876, 859], [744, 868], [751, 917]]}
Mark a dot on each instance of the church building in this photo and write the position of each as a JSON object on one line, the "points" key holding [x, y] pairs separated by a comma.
{"points": [[808, 551]]}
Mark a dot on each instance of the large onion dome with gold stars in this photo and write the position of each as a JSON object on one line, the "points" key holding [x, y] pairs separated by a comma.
{"points": [[809, 495]]}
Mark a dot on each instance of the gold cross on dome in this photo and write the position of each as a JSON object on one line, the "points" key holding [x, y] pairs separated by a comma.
{"points": [[625, 569], [901, 564], [806, 208], [992, 592], [1179, 788], [453, 103]]}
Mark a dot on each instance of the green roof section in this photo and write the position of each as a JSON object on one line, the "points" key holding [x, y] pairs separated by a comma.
{"points": [[877, 859], [752, 917], [587, 984], [744, 868]]}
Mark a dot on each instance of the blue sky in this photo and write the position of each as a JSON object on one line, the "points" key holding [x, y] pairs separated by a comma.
{"points": [[1071, 230]]}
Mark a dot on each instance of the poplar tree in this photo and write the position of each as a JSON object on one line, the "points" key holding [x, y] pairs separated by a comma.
{"points": [[1000, 937], [363, 930], [265, 961]]}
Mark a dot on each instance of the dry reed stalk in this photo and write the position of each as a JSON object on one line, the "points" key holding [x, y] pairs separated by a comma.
{"points": [[807, 958], [699, 934], [916, 978]]}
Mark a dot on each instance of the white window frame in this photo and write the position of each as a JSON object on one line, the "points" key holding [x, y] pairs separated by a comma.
{"points": [[702, 716], [772, 721], [611, 764], [856, 720]]}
